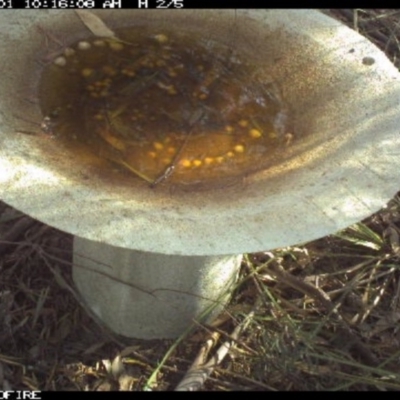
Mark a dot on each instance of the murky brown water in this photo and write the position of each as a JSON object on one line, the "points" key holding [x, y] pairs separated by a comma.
{"points": [[163, 107]]}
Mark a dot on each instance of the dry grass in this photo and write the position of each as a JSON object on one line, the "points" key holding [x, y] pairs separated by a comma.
{"points": [[326, 314]]}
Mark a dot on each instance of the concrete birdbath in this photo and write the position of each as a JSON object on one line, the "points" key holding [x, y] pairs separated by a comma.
{"points": [[158, 235]]}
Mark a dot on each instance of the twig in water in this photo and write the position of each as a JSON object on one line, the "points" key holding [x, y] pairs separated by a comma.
{"points": [[171, 167]]}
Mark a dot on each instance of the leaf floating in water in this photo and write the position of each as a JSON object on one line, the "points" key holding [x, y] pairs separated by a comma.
{"points": [[95, 24]]}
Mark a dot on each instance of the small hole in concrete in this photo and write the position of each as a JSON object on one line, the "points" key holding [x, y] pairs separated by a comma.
{"points": [[368, 60]]}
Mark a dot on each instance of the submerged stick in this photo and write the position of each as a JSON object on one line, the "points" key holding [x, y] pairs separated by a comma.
{"points": [[135, 171], [171, 167]]}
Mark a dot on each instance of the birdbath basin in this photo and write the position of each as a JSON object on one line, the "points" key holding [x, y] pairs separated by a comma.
{"points": [[154, 251]]}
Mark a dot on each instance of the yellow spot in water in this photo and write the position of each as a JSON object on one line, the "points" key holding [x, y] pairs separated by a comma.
{"points": [[219, 159], [272, 135], [185, 163], [228, 128], [152, 154], [172, 91], [166, 160], [171, 150], [230, 154], [99, 117], [239, 148], [84, 45], [208, 160], [203, 96], [158, 145], [60, 61], [288, 138], [86, 72], [99, 43], [69, 52], [167, 139], [161, 38], [255, 133], [197, 163], [116, 46], [243, 123]]}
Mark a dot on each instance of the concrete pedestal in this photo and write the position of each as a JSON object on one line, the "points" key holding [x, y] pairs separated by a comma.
{"points": [[150, 296]]}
